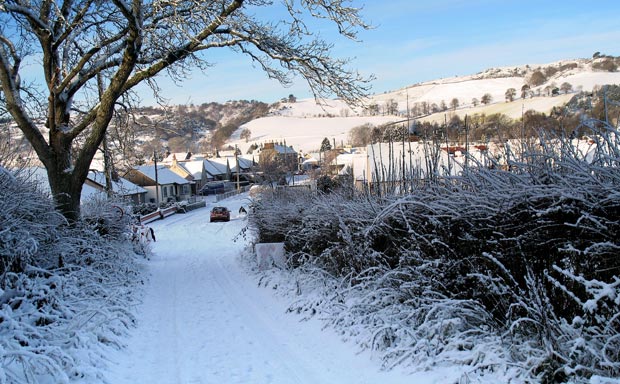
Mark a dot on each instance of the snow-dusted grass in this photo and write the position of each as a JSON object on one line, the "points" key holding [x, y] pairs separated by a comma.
{"points": [[509, 274], [66, 291]]}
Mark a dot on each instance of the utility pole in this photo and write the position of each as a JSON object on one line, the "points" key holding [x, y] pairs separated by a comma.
{"points": [[445, 125], [466, 144], [237, 162], [156, 178]]}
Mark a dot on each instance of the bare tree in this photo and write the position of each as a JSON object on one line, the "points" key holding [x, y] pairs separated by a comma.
{"points": [[486, 98], [245, 134], [391, 107], [510, 94], [566, 87], [525, 90], [90, 53], [454, 104], [443, 106], [537, 78], [360, 136]]}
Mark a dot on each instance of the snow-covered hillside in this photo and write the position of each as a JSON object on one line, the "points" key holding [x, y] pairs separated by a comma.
{"points": [[304, 124], [581, 74]]}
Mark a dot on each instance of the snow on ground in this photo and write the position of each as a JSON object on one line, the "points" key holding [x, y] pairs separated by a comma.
{"points": [[204, 320], [513, 109], [306, 133], [304, 124], [465, 88]]}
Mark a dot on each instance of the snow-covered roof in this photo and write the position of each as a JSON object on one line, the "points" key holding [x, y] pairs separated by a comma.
{"points": [[122, 187], [194, 167], [180, 156], [214, 168], [245, 163], [345, 158], [284, 149], [164, 175], [227, 153], [39, 176]]}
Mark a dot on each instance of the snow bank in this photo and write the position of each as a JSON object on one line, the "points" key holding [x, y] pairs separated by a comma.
{"points": [[65, 291]]}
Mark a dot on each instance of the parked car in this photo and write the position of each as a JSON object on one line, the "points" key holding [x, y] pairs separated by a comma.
{"points": [[220, 214], [216, 187], [212, 189]]}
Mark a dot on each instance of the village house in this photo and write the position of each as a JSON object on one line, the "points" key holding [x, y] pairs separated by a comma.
{"points": [[281, 155], [95, 184], [182, 169], [215, 171], [120, 187], [164, 184]]}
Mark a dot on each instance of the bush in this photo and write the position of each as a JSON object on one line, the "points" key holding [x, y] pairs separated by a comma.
{"points": [[503, 271], [607, 65], [537, 78], [65, 289]]}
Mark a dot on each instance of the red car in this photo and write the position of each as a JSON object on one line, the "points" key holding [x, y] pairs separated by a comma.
{"points": [[220, 214]]}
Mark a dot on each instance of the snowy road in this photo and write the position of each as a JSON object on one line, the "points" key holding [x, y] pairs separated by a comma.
{"points": [[204, 320]]}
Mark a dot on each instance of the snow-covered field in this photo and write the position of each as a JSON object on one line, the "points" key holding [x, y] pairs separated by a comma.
{"points": [[204, 319], [306, 133]]}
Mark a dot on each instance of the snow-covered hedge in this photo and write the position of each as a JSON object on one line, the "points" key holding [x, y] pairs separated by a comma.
{"points": [[513, 271], [65, 290]]}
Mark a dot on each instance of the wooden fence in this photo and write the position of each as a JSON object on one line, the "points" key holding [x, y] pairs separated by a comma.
{"points": [[163, 213]]}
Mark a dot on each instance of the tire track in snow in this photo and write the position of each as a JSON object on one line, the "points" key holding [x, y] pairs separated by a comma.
{"points": [[204, 321], [263, 329], [196, 325]]}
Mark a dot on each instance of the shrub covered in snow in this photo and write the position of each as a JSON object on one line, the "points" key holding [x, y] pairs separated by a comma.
{"points": [[501, 270], [65, 289]]}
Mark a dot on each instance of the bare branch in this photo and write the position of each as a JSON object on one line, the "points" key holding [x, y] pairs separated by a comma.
{"points": [[123, 43]]}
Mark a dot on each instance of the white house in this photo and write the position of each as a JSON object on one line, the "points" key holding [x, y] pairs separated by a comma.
{"points": [[163, 184]]}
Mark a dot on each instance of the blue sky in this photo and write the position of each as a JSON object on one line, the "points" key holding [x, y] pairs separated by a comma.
{"points": [[415, 41]]}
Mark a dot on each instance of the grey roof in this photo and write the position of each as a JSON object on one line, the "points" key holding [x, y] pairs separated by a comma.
{"points": [[244, 164], [122, 187], [164, 175]]}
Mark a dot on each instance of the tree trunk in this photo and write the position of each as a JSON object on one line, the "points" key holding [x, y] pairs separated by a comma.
{"points": [[66, 191], [62, 173]]}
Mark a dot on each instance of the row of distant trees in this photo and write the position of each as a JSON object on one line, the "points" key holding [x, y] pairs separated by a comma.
{"points": [[390, 107], [563, 121]]}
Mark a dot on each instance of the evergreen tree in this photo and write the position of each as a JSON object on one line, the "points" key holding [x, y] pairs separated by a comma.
{"points": [[325, 145]]}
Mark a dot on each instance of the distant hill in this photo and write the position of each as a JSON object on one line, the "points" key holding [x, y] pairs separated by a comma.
{"points": [[187, 127], [580, 74], [304, 124]]}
